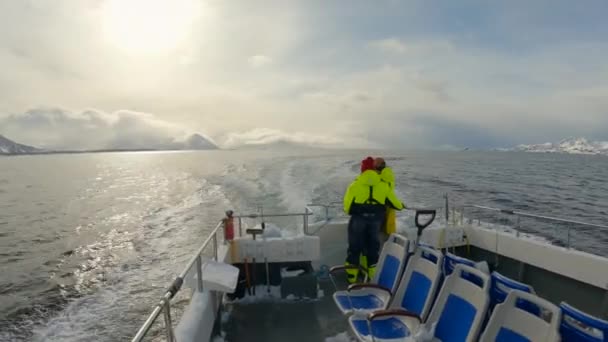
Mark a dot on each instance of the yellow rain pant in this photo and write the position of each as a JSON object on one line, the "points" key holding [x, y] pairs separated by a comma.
{"points": [[363, 262], [371, 271], [390, 225], [351, 274]]}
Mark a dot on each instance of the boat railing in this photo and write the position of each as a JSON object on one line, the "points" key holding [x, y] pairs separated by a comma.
{"points": [[460, 215], [326, 207], [305, 223], [332, 205], [164, 305]]}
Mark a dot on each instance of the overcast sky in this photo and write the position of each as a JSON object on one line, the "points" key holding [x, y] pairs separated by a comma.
{"points": [[374, 73]]}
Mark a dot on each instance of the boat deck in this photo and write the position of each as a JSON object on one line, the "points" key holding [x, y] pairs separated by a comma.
{"points": [[293, 320], [317, 320]]}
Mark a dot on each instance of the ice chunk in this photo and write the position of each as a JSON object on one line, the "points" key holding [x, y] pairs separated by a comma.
{"points": [[219, 276], [483, 266], [285, 273]]}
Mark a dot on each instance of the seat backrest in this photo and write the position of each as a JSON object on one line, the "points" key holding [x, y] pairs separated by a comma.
{"points": [[419, 283], [462, 304], [500, 288], [511, 322], [391, 262], [579, 326], [450, 261]]}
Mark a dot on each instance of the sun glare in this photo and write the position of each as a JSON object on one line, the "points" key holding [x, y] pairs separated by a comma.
{"points": [[148, 26]]}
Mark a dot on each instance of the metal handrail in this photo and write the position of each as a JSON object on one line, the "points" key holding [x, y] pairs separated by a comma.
{"points": [[326, 206], [307, 212], [164, 306], [520, 214], [542, 217], [253, 216]]}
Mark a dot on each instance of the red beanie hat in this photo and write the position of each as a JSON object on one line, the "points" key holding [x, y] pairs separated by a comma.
{"points": [[367, 164]]}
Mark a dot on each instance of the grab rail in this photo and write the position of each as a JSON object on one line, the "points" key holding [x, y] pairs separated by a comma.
{"points": [[326, 206], [164, 306], [542, 217], [520, 214], [307, 212], [329, 205]]}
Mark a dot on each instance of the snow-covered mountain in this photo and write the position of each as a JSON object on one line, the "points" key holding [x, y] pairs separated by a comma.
{"points": [[192, 142], [198, 142], [572, 145], [8, 146]]}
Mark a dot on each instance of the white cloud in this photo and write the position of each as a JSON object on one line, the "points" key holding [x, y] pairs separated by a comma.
{"points": [[264, 136], [259, 61], [371, 72], [55, 128], [393, 45]]}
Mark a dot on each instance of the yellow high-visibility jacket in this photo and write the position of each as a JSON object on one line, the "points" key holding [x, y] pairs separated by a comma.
{"points": [[388, 177], [369, 195]]}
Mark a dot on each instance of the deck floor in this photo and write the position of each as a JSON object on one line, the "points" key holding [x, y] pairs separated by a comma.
{"points": [[292, 321]]}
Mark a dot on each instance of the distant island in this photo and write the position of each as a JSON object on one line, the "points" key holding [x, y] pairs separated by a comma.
{"points": [[193, 142], [570, 146], [8, 146], [199, 142]]}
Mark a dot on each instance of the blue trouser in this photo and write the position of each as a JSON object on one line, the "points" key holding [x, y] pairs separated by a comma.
{"points": [[363, 233]]}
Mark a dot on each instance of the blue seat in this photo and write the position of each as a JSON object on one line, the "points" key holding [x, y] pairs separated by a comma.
{"points": [[510, 322], [579, 326], [450, 261], [415, 295], [376, 294], [457, 315], [500, 288]]}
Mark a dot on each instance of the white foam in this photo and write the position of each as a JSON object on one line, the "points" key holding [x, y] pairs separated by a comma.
{"points": [[294, 193], [272, 231], [140, 246]]}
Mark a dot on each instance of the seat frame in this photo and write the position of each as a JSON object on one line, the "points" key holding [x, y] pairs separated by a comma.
{"points": [[397, 246]]}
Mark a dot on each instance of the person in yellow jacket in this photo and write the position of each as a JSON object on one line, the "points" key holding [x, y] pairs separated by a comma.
{"points": [[365, 201], [386, 175]]}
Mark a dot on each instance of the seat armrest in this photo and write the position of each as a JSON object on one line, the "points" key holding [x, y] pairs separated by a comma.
{"points": [[340, 268], [394, 312], [368, 286]]}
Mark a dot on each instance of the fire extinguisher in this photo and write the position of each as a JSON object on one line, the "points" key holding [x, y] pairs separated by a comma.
{"points": [[229, 226]]}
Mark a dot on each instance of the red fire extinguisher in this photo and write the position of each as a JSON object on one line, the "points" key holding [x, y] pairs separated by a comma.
{"points": [[229, 226]]}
